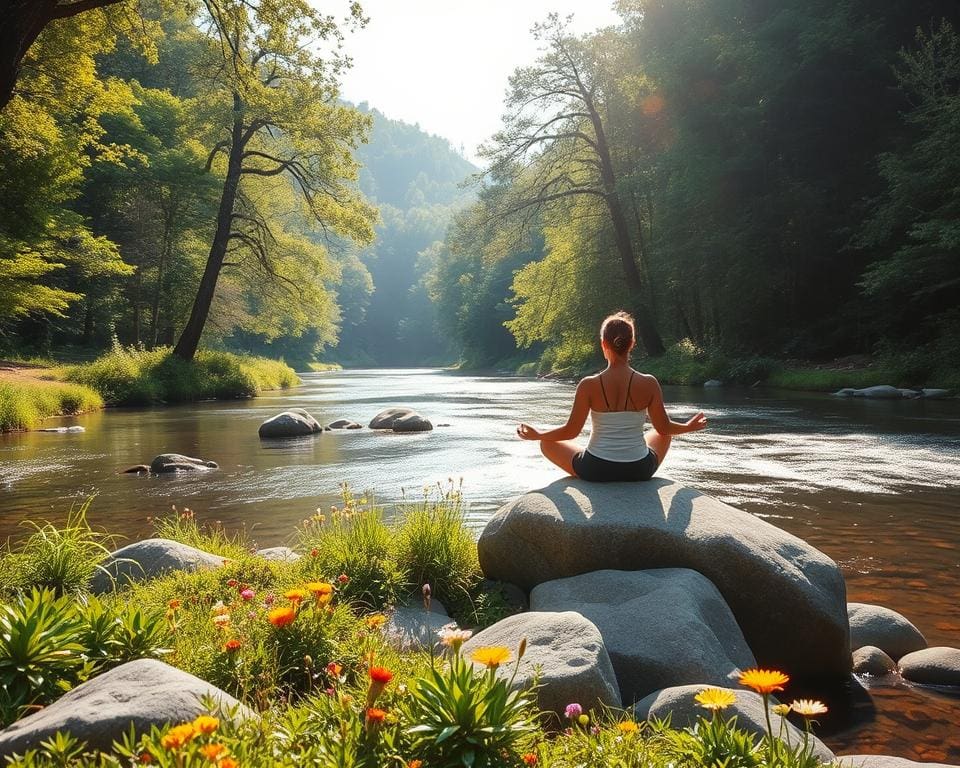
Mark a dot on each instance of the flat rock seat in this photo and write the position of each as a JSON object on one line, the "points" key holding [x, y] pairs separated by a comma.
{"points": [[788, 597]]}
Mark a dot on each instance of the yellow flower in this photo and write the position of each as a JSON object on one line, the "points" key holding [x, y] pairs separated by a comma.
{"points": [[628, 727], [715, 698], [213, 752], [177, 736], [808, 707], [206, 724], [764, 681], [375, 621], [296, 595], [491, 656], [781, 709]]}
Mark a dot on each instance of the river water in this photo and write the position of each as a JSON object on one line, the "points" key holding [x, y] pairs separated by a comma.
{"points": [[874, 484]]}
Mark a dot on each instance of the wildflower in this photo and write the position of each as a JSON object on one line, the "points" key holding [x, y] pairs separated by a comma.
{"points": [[222, 620], [219, 609], [231, 582], [206, 724], [381, 675], [247, 594], [269, 600], [808, 707], [715, 699], [177, 736], [334, 669], [314, 552], [415, 764], [146, 758], [573, 711], [281, 617], [232, 645], [764, 681], [321, 591], [296, 595], [781, 709], [213, 752], [228, 762], [628, 727], [583, 719], [529, 759], [375, 715], [343, 579], [375, 621], [452, 637], [173, 605], [491, 656]]}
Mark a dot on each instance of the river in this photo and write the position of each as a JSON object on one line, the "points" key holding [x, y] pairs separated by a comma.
{"points": [[874, 484]]}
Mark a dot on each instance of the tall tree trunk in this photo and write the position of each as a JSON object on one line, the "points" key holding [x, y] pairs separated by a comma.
{"points": [[646, 327], [189, 340]]}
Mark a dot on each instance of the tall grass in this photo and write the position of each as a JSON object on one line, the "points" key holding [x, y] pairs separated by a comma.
{"points": [[62, 558], [183, 526], [24, 404], [139, 377]]}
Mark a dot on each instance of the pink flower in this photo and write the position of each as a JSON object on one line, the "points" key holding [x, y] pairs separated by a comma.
{"points": [[268, 600], [573, 711], [247, 594]]}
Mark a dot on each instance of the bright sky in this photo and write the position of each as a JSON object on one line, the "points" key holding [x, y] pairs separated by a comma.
{"points": [[444, 64]]}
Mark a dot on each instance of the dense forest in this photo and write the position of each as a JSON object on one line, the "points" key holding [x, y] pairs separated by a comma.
{"points": [[754, 179]]}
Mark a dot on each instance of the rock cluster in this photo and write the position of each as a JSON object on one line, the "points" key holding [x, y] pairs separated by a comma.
{"points": [[295, 422], [401, 420], [886, 392]]}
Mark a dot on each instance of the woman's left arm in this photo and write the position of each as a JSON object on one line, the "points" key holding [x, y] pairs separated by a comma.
{"points": [[575, 421]]}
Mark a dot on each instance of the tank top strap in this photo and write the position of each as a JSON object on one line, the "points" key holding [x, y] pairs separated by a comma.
{"points": [[629, 396], [604, 390]]}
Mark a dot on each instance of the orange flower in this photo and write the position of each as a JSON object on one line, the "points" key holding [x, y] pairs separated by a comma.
{"points": [[529, 759], [491, 656], [334, 669], [213, 752], [281, 617], [375, 716], [375, 621], [206, 724], [321, 591], [381, 675], [173, 604], [764, 681], [146, 758], [229, 762], [415, 764], [177, 736], [296, 595], [232, 645]]}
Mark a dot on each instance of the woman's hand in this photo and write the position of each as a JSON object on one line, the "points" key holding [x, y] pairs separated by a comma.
{"points": [[696, 423], [526, 432]]}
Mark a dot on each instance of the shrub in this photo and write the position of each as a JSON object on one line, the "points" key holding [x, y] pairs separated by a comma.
{"points": [[24, 404]]}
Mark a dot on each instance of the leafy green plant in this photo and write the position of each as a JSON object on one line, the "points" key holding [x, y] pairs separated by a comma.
{"points": [[40, 656], [463, 718], [62, 558]]}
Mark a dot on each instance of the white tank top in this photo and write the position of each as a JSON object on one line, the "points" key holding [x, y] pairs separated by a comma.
{"points": [[618, 435]]}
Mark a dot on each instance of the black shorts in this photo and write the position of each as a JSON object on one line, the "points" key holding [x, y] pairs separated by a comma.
{"points": [[589, 467]]}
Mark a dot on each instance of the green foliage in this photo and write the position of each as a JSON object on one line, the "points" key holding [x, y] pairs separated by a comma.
{"points": [[62, 558], [24, 404], [137, 377], [461, 718], [183, 526], [434, 546]]}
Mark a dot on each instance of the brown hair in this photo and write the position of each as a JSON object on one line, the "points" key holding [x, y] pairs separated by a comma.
{"points": [[617, 332]]}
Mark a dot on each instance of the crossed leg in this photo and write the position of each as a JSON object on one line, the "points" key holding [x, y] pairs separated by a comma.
{"points": [[659, 444], [561, 453]]}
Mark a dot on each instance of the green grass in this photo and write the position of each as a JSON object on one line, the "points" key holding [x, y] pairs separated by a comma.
{"points": [[321, 367], [140, 377], [24, 404]]}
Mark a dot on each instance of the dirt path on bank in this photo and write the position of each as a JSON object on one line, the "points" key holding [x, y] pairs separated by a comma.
{"points": [[13, 372]]}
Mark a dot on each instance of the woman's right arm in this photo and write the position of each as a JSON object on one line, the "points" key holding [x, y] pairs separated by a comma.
{"points": [[663, 423]]}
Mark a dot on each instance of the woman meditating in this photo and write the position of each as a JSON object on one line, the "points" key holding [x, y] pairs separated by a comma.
{"points": [[619, 399]]}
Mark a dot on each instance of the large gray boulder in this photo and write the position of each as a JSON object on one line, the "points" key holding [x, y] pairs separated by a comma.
{"points": [[932, 666], [143, 693], [879, 392], [565, 653], [278, 554], [414, 628], [386, 418], [176, 462], [148, 559], [884, 761], [662, 627], [679, 705], [294, 422], [935, 394], [344, 424], [884, 628], [872, 661], [788, 597]]}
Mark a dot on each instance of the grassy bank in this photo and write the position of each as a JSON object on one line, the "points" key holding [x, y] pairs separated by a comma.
{"points": [[304, 643], [138, 377], [25, 402]]}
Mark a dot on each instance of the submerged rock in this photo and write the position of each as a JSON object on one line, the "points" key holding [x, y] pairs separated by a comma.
{"points": [[344, 424], [176, 462], [294, 422], [881, 392], [412, 422], [679, 705], [884, 628], [386, 418], [936, 394], [788, 597], [148, 559], [565, 654], [142, 693], [661, 627], [64, 430], [712, 383], [872, 661]]}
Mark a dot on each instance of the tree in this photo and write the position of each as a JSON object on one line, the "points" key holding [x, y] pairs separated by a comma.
{"points": [[554, 146], [272, 106]]}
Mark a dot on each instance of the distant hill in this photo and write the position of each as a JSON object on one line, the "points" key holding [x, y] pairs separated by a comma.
{"points": [[415, 179]]}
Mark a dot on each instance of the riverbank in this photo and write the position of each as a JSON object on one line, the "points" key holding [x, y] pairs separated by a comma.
{"points": [[30, 393]]}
